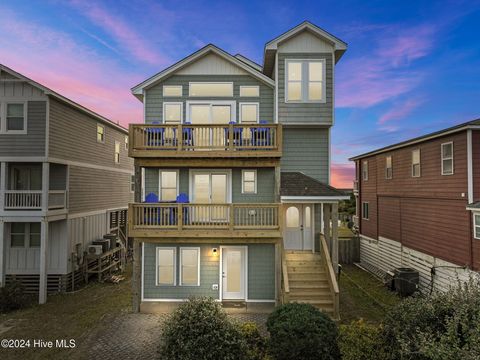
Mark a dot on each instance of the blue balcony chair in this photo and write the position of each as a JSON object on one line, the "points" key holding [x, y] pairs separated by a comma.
{"points": [[261, 135], [187, 135], [155, 136], [237, 135]]}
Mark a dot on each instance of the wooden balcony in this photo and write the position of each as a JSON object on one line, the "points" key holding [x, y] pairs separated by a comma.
{"points": [[205, 141], [161, 220]]}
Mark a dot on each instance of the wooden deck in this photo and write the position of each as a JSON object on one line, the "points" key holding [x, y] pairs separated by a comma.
{"points": [[205, 141], [161, 220]]}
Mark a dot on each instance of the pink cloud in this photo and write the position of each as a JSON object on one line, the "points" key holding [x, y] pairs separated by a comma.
{"points": [[57, 61], [122, 33], [385, 74], [342, 175], [399, 111]]}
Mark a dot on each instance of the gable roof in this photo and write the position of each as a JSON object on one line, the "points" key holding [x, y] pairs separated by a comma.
{"points": [[473, 124], [210, 48], [63, 99], [271, 47], [299, 184], [247, 61]]}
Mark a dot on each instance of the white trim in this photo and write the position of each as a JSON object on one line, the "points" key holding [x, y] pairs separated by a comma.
{"points": [[233, 107], [86, 165], [419, 163], [157, 249], [190, 83], [442, 158], [259, 301], [477, 212], [249, 62], [177, 171], [304, 81], [276, 88], [142, 297], [3, 117], [192, 172], [249, 86], [240, 104], [313, 199], [142, 193], [181, 264], [23, 159], [469, 166], [245, 264], [164, 300], [172, 86], [164, 105], [137, 90], [255, 180], [329, 159]]}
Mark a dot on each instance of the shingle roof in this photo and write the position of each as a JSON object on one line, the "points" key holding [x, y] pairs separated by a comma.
{"points": [[299, 184], [475, 205]]}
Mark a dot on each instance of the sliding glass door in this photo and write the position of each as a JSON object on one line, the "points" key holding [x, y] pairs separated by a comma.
{"points": [[211, 190]]}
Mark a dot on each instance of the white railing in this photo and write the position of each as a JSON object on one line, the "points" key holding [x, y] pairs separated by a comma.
{"points": [[23, 199], [57, 199]]}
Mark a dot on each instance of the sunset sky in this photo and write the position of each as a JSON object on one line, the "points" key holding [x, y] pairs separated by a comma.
{"points": [[411, 67]]}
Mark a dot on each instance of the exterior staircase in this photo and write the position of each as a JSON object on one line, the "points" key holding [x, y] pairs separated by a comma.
{"points": [[308, 280]]}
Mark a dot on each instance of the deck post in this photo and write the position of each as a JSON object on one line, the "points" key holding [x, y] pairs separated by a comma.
{"points": [[334, 242], [138, 183], [137, 275], [42, 286], [326, 225], [278, 272], [2, 253], [3, 177], [45, 185]]}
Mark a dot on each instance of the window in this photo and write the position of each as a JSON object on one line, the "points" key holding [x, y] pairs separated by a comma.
{"points": [[100, 133], [166, 264], [211, 112], [293, 217], [365, 170], [211, 89], [15, 118], [117, 151], [25, 234], [388, 167], [416, 163], [447, 158], [249, 181], [249, 91], [172, 113], [305, 81], [126, 143], [189, 266], [249, 113], [168, 185], [172, 90], [476, 225], [365, 214]]}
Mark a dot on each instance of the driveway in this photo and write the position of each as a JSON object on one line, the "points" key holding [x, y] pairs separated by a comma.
{"points": [[137, 336]]}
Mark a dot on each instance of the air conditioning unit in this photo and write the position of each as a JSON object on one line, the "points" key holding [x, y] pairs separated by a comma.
{"points": [[95, 249]]}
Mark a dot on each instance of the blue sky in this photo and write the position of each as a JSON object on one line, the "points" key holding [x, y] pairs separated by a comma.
{"points": [[412, 67]]}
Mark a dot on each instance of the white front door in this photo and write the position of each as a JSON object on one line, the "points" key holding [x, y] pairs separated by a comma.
{"points": [[233, 273], [298, 227]]}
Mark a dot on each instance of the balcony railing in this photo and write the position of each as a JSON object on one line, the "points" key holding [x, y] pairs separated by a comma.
{"points": [[184, 220], [32, 199], [231, 140], [355, 187]]}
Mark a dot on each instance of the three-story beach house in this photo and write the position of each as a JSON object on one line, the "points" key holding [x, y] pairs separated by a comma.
{"points": [[232, 168]]}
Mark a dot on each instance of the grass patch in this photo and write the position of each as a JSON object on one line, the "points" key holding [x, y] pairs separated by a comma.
{"points": [[344, 232], [362, 296], [66, 316]]}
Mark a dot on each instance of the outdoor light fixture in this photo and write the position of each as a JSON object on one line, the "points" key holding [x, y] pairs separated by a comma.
{"points": [[214, 251]]}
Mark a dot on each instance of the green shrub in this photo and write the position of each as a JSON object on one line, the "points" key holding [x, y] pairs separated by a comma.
{"points": [[362, 341], [256, 343], [13, 297], [200, 330], [301, 331], [437, 327]]}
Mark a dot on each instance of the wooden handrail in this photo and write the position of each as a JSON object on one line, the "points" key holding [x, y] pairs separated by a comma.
{"points": [[331, 277], [286, 284]]}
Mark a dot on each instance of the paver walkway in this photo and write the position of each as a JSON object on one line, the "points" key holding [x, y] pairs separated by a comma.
{"points": [[137, 336]]}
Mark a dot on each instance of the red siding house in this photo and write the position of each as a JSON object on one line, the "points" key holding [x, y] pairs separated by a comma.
{"points": [[418, 205]]}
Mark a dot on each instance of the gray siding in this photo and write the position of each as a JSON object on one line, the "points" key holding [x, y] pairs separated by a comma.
{"points": [[265, 185], [261, 272], [154, 98], [32, 143], [94, 189], [306, 150], [73, 136], [311, 113]]}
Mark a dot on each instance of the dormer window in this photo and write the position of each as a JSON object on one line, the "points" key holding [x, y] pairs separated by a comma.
{"points": [[305, 81]]}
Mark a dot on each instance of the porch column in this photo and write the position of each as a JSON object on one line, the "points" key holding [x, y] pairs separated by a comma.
{"points": [[138, 183], [137, 275], [334, 246], [3, 182], [277, 183], [45, 185], [2, 253], [326, 225], [42, 287], [278, 272]]}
